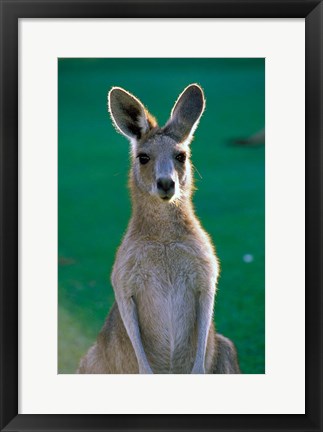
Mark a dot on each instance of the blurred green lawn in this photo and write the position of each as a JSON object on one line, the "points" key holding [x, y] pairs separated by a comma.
{"points": [[94, 206]]}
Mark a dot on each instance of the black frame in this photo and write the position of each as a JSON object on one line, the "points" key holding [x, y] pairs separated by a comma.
{"points": [[11, 11]]}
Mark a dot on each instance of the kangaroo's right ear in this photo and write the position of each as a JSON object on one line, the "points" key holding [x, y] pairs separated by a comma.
{"points": [[128, 114]]}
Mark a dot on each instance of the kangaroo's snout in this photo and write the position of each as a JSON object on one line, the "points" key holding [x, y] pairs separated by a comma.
{"points": [[165, 184], [166, 187]]}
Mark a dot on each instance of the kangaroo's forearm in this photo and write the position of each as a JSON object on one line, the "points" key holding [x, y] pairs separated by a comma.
{"points": [[204, 319], [128, 312]]}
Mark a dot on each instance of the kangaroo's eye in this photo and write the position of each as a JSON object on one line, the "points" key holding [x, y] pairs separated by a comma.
{"points": [[181, 157], [143, 158]]}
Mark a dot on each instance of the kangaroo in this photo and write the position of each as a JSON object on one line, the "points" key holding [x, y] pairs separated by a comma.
{"points": [[165, 273]]}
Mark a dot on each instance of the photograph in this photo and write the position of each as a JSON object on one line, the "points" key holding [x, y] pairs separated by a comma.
{"points": [[161, 216]]}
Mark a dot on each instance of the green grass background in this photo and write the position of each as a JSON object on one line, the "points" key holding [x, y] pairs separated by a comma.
{"points": [[94, 205]]}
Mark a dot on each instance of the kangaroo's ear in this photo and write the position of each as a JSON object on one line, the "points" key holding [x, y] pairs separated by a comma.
{"points": [[186, 113], [128, 114]]}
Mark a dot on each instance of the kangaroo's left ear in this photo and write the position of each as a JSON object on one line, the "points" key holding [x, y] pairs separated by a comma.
{"points": [[186, 113]]}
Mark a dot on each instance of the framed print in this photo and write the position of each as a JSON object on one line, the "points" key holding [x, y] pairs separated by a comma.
{"points": [[72, 75]]}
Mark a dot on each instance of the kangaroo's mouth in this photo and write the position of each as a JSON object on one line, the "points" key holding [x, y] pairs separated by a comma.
{"points": [[166, 196]]}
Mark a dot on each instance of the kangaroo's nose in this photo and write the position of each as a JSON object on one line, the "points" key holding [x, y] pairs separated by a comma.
{"points": [[165, 184]]}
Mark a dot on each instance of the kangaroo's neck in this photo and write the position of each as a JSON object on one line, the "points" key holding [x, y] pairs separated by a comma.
{"points": [[157, 220]]}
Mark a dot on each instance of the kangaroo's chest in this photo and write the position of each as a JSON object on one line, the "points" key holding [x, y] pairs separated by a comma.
{"points": [[165, 270], [165, 280], [166, 287], [166, 296]]}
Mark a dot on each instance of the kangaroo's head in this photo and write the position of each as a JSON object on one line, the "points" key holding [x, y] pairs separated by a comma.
{"points": [[160, 156]]}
